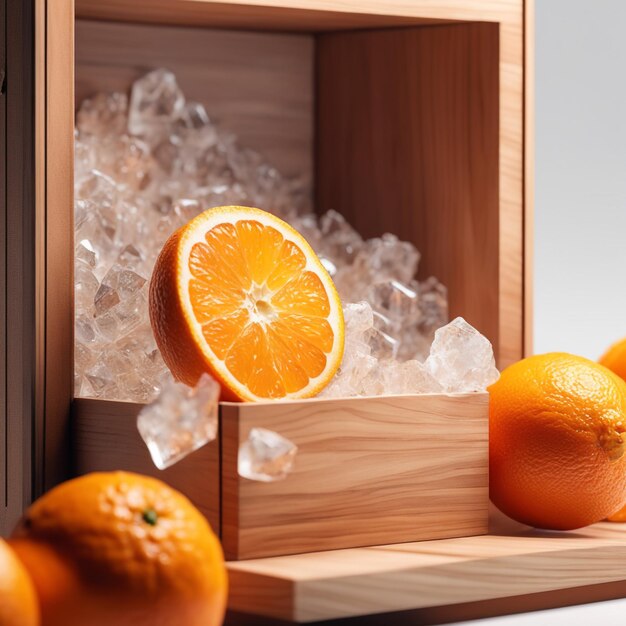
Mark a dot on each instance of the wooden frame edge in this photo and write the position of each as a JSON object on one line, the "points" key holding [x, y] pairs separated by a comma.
{"points": [[529, 172]]}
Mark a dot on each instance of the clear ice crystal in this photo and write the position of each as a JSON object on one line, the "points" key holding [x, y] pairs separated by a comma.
{"points": [[143, 169], [156, 102], [461, 359], [266, 456], [181, 420], [147, 165]]}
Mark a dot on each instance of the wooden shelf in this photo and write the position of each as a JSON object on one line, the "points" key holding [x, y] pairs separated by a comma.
{"points": [[508, 564]]}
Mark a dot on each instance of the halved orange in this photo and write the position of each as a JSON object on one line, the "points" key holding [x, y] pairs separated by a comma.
{"points": [[238, 293]]}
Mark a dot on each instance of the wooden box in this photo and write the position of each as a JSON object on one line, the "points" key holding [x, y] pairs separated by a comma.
{"points": [[407, 116], [368, 471], [396, 123]]}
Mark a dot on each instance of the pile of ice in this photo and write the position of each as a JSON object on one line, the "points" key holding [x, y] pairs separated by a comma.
{"points": [[145, 167]]}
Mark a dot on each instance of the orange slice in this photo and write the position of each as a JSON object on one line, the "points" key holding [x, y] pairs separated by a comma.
{"points": [[241, 295]]}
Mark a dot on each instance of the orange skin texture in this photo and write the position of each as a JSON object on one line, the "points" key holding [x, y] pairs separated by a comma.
{"points": [[556, 442], [171, 330], [95, 560], [615, 359], [18, 601]]}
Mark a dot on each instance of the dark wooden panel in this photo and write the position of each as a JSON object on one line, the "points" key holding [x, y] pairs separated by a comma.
{"points": [[20, 254], [408, 142], [55, 234], [36, 260], [3, 191]]}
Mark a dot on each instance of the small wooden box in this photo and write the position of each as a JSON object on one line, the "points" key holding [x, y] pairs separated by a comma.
{"points": [[369, 471]]}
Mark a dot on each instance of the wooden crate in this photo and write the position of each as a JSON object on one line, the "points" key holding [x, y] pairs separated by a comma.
{"points": [[411, 116], [368, 470], [396, 122], [406, 116]]}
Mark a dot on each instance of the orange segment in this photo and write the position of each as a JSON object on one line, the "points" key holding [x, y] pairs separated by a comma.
{"points": [[222, 332], [241, 295], [291, 262], [315, 330], [304, 295], [214, 298], [260, 246]]}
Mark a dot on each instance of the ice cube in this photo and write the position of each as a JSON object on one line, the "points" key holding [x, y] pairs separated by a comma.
{"points": [[461, 359], [395, 300], [266, 456], [103, 115], [180, 420], [156, 102]]}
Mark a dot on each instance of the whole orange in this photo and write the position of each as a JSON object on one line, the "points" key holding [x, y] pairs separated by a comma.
{"points": [[556, 441], [120, 549], [615, 358], [18, 601]]}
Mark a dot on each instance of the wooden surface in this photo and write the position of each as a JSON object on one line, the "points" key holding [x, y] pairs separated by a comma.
{"points": [[412, 577], [249, 15], [418, 153], [55, 261], [36, 319], [529, 170], [368, 471], [258, 85], [105, 438], [309, 15]]}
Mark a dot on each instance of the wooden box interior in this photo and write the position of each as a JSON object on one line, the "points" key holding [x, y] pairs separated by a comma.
{"points": [[395, 127]]}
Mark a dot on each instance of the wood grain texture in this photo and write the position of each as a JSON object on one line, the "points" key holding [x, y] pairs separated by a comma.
{"points": [[529, 170], [408, 143], [368, 471], [306, 15], [105, 438], [362, 581], [219, 15], [55, 260], [258, 85]]}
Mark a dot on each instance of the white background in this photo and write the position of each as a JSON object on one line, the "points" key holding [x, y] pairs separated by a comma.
{"points": [[580, 199], [580, 206]]}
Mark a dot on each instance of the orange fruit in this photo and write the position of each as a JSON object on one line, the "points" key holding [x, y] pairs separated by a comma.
{"points": [[18, 601], [615, 359], [241, 295], [121, 549], [556, 441]]}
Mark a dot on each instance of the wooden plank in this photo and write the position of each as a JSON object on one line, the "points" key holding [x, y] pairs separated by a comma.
{"points": [[453, 613], [3, 302], [529, 170], [308, 15], [363, 581], [257, 85], [105, 438], [368, 471], [247, 16], [55, 258], [423, 141], [24, 36]]}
